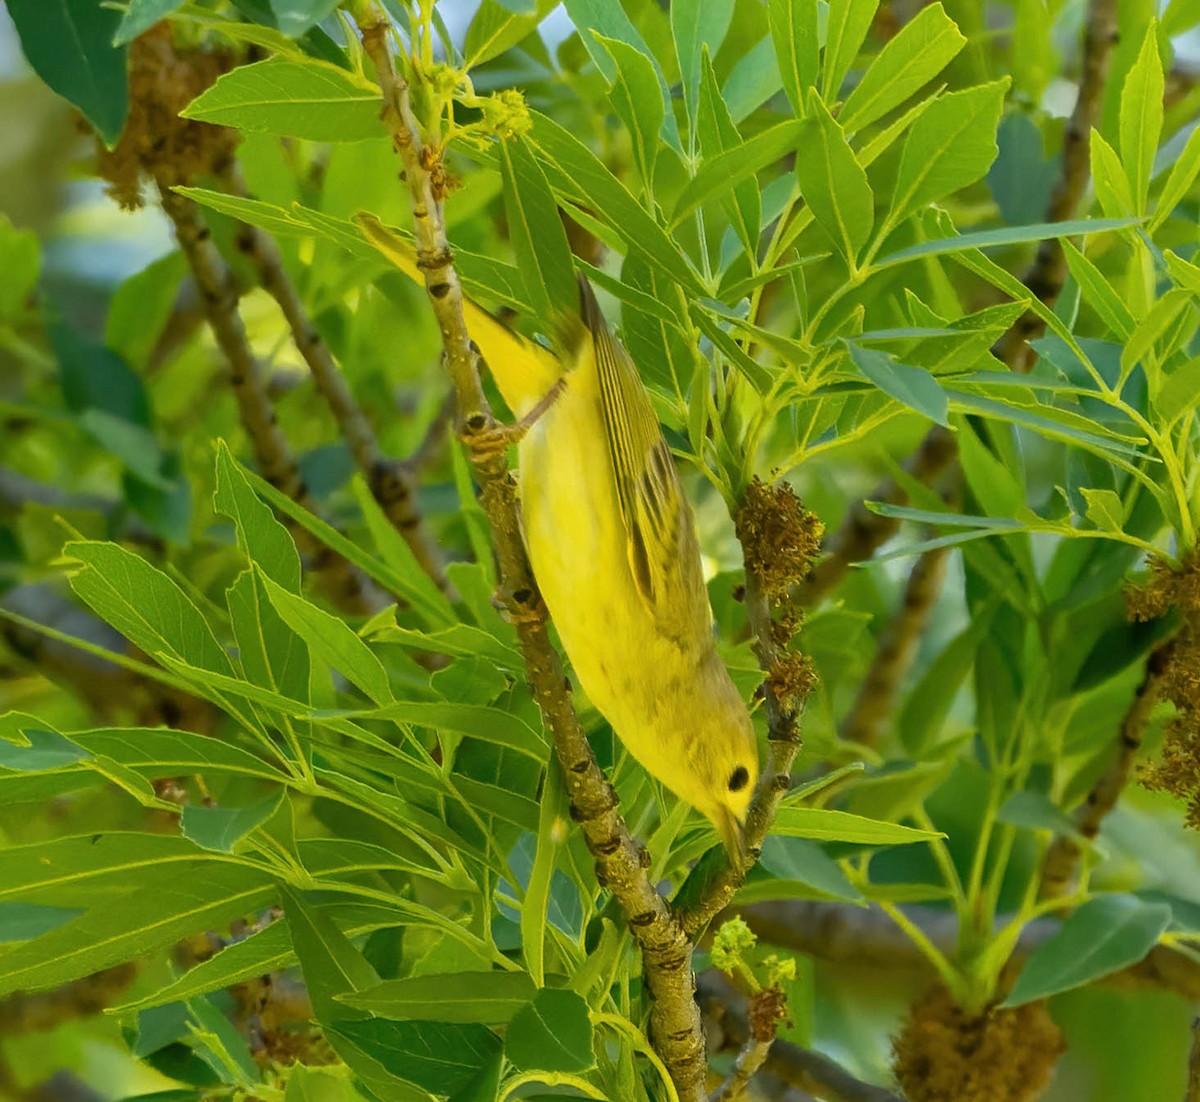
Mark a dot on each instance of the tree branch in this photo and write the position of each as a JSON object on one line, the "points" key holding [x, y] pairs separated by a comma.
{"points": [[1062, 858], [219, 295], [767, 1008], [620, 860], [390, 482], [728, 1026], [846, 933]]}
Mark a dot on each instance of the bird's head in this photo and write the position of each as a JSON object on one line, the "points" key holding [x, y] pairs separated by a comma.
{"points": [[725, 763]]}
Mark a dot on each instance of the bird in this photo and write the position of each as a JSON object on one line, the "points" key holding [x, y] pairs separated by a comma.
{"points": [[612, 542]]}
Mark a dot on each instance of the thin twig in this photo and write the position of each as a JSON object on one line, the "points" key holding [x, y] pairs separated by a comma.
{"points": [[728, 1025], [767, 1008], [388, 479], [896, 650], [1062, 858], [276, 462], [620, 860]]}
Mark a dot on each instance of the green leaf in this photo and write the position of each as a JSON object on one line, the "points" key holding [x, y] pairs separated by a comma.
{"points": [[332, 966], [440, 1057], [724, 171], [308, 1084], [1106, 934], [539, 239], [266, 950], [911, 386], [1141, 118], [491, 998], [1158, 321], [922, 49], [292, 97], [332, 640], [793, 26], [949, 147], [637, 98], [221, 828], [1178, 392], [1098, 293], [800, 861], [497, 27], [154, 916], [552, 1033], [295, 18], [475, 720], [840, 826], [1021, 178], [846, 30], [1036, 811], [417, 587], [263, 539], [144, 605], [718, 134], [696, 25], [833, 183], [271, 654], [76, 868], [69, 44], [141, 15], [23, 921], [579, 176], [599, 18], [166, 752], [20, 260], [1011, 235], [39, 750], [754, 79], [1179, 182], [1109, 179]]}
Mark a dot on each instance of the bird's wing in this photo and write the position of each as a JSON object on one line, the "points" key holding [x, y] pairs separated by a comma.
{"points": [[664, 556], [525, 372]]}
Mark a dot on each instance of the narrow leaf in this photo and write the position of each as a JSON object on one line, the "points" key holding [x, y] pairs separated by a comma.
{"points": [[1106, 934], [491, 998], [292, 97], [793, 26], [840, 826], [833, 183], [552, 1033], [1141, 118], [911, 386], [922, 49]]}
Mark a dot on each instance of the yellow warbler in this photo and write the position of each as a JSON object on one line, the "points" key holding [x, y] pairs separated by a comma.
{"points": [[612, 541]]}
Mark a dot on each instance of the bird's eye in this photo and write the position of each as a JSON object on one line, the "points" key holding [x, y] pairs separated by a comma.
{"points": [[739, 779]]}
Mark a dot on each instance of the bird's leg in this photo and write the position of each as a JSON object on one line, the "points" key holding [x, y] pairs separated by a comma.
{"points": [[497, 438]]}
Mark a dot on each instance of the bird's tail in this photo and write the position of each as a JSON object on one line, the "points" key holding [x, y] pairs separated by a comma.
{"points": [[525, 372]]}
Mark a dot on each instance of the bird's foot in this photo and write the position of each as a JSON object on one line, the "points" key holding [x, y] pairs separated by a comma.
{"points": [[486, 443], [521, 606]]}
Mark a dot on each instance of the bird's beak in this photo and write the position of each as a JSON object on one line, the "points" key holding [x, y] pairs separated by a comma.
{"points": [[729, 826]]}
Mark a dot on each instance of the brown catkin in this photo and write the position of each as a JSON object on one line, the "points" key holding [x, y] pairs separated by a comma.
{"points": [[945, 1054], [779, 537], [156, 142]]}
